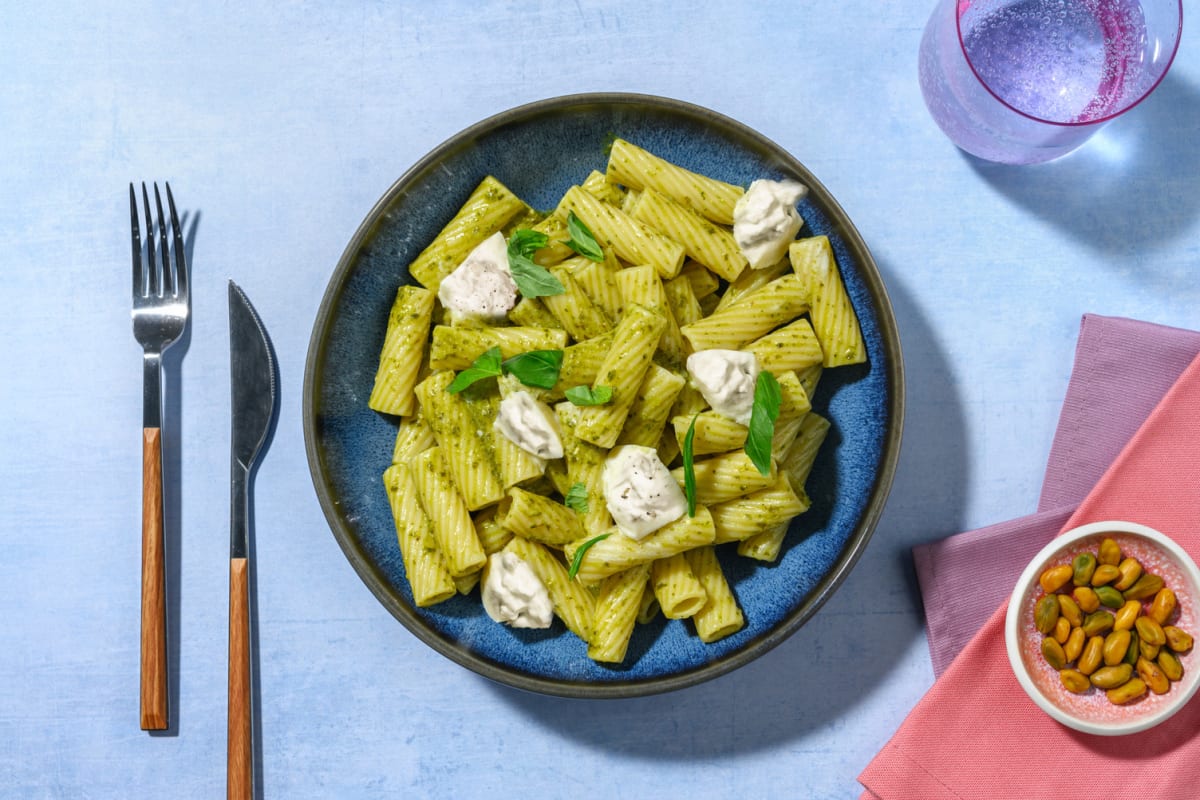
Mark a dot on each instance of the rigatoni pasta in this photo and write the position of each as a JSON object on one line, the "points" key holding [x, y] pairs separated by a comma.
{"points": [[639, 169], [618, 601], [428, 577], [486, 211], [400, 361], [613, 321]]}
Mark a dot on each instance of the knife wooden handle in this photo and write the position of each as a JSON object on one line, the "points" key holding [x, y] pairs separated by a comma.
{"points": [[154, 714], [240, 783]]}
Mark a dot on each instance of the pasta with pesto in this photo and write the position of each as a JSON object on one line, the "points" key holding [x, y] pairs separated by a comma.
{"points": [[512, 432]]}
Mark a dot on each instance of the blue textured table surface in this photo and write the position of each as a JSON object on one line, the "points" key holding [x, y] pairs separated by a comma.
{"points": [[278, 129]]}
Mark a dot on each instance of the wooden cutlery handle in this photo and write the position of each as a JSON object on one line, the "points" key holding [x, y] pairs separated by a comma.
{"points": [[240, 781], [154, 714]]}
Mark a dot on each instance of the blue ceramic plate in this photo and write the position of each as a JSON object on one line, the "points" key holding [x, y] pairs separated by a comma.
{"points": [[538, 151]]}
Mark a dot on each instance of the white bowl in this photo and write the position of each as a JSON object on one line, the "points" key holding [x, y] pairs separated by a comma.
{"points": [[1092, 712]]}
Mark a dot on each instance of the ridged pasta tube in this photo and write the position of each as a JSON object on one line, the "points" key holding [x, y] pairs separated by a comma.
{"points": [[424, 564], [634, 342], [585, 464], [833, 318], [539, 518], [468, 456], [632, 240], [635, 168], [751, 280], [487, 210], [648, 415], [758, 512], [403, 350], [599, 280], [725, 477], [754, 315], [618, 552], [703, 241], [809, 377], [796, 463], [680, 594], [580, 365], [452, 525], [412, 437], [577, 314], [681, 299], [642, 286], [720, 615], [618, 602], [792, 347], [764, 546], [457, 346]]}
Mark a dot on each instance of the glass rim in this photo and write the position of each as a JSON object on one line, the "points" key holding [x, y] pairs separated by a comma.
{"points": [[958, 12]]}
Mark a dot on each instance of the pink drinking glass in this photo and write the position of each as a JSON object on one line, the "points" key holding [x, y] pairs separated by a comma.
{"points": [[1027, 81]]}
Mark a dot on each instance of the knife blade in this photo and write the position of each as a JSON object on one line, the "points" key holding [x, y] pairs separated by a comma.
{"points": [[252, 395]]}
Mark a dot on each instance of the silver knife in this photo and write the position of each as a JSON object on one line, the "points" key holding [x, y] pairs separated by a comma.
{"points": [[252, 390]]}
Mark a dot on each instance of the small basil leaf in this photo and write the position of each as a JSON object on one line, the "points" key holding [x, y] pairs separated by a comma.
{"points": [[536, 368], [767, 398], [689, 468], [583, 548], [486, 366], [576, 498], [525, 242], [582, 241], [532, 280], [587, 396]]}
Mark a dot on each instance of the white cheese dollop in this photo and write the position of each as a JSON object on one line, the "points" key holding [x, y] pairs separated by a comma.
{"points": [[530, 425], [640, 493], [481, 287], [726, 378], [513, 595], [765, 220]]}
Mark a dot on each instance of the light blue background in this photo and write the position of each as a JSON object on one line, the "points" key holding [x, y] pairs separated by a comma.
{"points": [[279, 126]]}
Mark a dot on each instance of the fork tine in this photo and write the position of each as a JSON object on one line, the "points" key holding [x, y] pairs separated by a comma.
{"points": [[152, 271], [180, 252], [168, 267], [139, 287]]}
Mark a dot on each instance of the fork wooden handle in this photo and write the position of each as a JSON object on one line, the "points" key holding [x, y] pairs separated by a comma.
{"points": [[154, 711], [240, 778]]}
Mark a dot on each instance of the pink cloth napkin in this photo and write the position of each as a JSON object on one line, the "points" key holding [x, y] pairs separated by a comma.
{"points": [[977, 736], [1122, 370]]}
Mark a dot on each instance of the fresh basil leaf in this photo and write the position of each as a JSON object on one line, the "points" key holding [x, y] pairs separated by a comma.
{"points": [[576, 498], [536, 368], [525, 242], [767, 398], [532, 280], [587, 396], [689, 468], [486, 366], [582, 241], [583, 548]]}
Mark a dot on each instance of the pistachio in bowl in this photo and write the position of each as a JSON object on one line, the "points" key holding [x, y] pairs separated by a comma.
{"points": [[1100, 628]]}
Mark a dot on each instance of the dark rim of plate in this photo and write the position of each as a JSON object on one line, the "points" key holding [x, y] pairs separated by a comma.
{"points": [[855, 545]]}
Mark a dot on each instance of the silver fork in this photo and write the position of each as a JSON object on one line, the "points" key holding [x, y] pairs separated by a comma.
{"points": [[160, 313]]}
